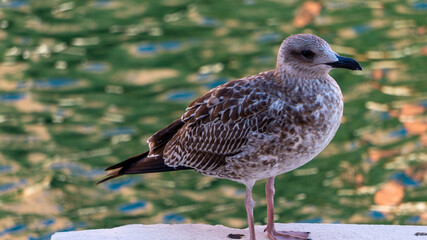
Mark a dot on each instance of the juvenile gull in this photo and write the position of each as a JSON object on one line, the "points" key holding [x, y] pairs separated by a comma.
{"points": [[256, 127]]}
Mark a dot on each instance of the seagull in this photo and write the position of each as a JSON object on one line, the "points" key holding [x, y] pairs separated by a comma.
{"points": [[256, 127]]}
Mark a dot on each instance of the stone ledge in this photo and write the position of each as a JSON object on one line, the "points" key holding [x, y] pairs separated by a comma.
{"points": [[209, 232]]}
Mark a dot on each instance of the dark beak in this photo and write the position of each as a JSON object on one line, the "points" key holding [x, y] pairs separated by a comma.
{"points": [[344, 62]]}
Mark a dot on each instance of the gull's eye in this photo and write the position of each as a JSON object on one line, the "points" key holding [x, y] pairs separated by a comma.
{"points": [[307, 53]]}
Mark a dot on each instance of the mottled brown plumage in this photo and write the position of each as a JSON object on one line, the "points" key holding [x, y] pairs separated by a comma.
{"points": [[256, 127]]}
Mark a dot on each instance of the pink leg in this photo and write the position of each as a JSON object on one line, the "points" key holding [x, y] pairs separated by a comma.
{"points": [[249, 203], [271, 231]]}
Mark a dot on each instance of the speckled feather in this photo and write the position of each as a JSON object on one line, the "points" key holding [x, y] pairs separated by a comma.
{"points": [[255, 127], [252, 128], [218, 125]]}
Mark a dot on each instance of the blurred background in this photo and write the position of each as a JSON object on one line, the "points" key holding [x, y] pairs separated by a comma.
{"points": [[83, 84]]}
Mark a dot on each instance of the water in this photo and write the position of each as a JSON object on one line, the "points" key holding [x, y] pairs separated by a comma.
{"points": [[84, 84]]}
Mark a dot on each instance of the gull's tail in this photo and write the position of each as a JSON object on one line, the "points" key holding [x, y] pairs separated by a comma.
{"points": [[143, 163], [139, 164]]}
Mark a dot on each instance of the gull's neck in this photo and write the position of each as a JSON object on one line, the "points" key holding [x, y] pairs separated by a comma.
{"points": [[286, 75]]}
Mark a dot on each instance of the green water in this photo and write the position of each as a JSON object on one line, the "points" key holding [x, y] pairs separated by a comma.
{"points": [[83, 84]]}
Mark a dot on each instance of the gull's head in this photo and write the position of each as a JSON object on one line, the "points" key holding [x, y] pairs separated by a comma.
{"points": [[307, 55]]}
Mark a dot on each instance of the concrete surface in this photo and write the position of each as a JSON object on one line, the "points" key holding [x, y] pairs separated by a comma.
{"points": [[209, 232]]}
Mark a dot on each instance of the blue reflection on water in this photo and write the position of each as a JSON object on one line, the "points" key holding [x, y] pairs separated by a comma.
{"points": [[420, 5], [385, 116], [132, 206], [173, 218], [402, 132], [216, 83], [312, 220], [55, 83], [11, 97], [14, 229], [362, 28], [376, 215], [180, 95], [145, 48], [405, 180], [9, 186], [5, 169], [414, 220], [151, 48], [170, 45], [77, 169], [118, 184], [43, 237], [47, 222], [13, 4]]}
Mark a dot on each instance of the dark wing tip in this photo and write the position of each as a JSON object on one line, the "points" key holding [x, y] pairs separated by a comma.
{"points": [[110, 176], [104, 180], [112, 167], [128, 162]]}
